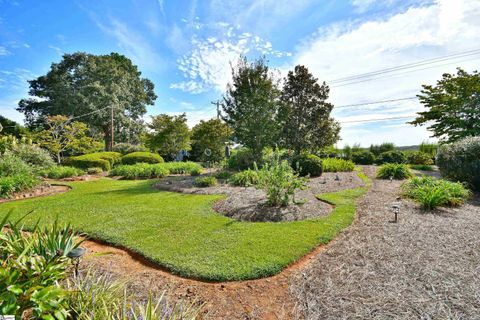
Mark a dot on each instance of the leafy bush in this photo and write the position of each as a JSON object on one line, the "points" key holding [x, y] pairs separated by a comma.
{"points": [[394, 156], [224, 175], [241, 159], [60, 172], [33, 155], [104, 160], [15, 175], [141, 157], [417, 157], [245, 178], [208, 181], [337, 165], [140, 171], [421, 167], [432, 193], [181, 167], [279, 181], [126, 148], [460, 161], [384, 147], [428, 148], [196, 172], [32, 266], [363, 157], [308, 164], [397, 171], [94, 170]]}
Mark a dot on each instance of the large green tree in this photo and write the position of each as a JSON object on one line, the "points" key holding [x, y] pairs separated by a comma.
{"points": [[91, 85], [211, 135], [169, 135], [453, 106], [251, 106], [305, 113], [10, 127]]}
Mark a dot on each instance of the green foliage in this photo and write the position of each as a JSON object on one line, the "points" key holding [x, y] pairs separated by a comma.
{"points": [[126, 148], [141, 157], [32, 266], [418, 157], [182, 167], [104, 160], [304, 113], [432, 193], [452, 106], [60, 172], [245, 178], [429, 148], [207, 181], [337, 165], [241, 159], [223, 175], [397, 171], [384, 147], [460, 161], [348, 150], [140, 171], [82, 84], [279, 181], [212, 135], [33, 155], [94, 170], [15, 175], [251, 106], [10, 127], [169, 135], [363, 157], [394, 156], [421, 167], [308, 165]]}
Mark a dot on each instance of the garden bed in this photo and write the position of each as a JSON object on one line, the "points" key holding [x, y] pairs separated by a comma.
{"points": [[249, 204], [40, 191]]}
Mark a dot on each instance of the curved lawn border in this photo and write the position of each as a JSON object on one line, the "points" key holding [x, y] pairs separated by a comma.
{"points": [[182, 233]]}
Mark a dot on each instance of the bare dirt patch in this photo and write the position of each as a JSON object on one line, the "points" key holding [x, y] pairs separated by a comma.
{"points": [[426, 266], [249, 204], [41, 191]]}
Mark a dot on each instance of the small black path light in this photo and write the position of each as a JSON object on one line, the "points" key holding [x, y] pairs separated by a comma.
{"points": [[337, 177], [75, 255], [396, 211], [391, 179]]}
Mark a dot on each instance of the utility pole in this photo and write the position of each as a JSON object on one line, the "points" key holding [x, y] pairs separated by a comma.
{"points": [[111, 128], [217, 103]]}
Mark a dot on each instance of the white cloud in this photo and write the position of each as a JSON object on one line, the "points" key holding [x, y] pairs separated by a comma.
{"points": [[419, 33], [4, 51], [56, 49], [208, 65]]}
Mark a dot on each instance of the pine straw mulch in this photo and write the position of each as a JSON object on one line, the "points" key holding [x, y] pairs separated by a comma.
{"points": [[426, 266]]}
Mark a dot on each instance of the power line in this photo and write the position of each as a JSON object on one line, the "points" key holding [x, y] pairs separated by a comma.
{"points": [[374, 102], [379, 119], [406, 66]]}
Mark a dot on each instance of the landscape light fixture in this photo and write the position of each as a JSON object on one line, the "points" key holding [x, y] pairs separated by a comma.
{"points": [[396, 211], [391, 179], [75, 255]]}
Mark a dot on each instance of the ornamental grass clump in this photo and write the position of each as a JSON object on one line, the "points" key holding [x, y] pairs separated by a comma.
{"points": [[432, 193], [397, 171], [279, 181]]}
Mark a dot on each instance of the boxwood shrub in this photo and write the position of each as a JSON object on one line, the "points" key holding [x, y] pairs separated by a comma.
{"points": [[394, 156], [308, 164], [363, 157], [460, 161], [141, 157], [104, 160]]}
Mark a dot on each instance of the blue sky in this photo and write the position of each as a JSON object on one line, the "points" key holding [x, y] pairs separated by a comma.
{"points": [[186, 48]]}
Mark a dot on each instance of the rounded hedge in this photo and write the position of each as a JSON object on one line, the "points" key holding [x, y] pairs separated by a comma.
{"points": [[394, 156], [460, 161], [308, 164], [104, 160], [141, 157], [397, 171], [363, 157]]}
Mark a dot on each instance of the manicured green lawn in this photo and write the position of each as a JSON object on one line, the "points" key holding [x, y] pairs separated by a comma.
{"points": [[181, 232]]}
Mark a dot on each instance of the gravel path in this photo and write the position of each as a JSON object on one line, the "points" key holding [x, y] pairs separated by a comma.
{"points": [[426, 266]]}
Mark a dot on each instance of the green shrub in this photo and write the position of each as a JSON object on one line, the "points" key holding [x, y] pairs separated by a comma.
{"points": [[241, 159], [182, 167], [394, 156], [429, 148], [94, 170], [363, 157], [421, 167], [33, 155], [196, 172], [432, 193], [15, 175], [397, 171], [104, 160], [379, 149], [417, 157], [308, 164], [337, 165], [224, 175], [203, 182], [279, 181], [140, 171], [141, 157], [460, 161], [60, 172], [245, 178], [11, 165], [126, 148]]}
